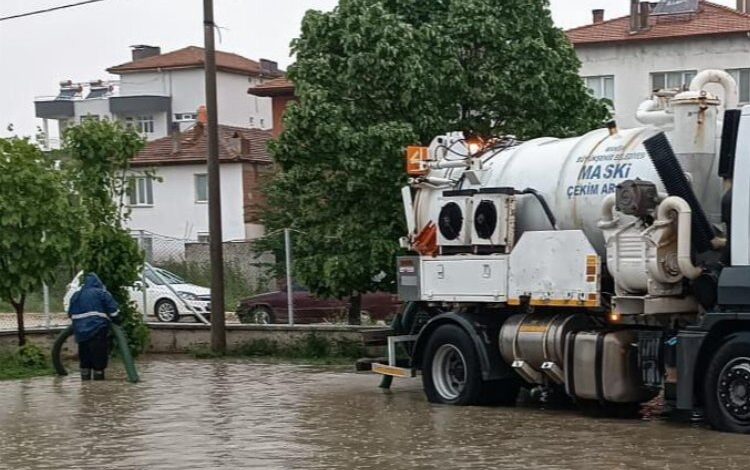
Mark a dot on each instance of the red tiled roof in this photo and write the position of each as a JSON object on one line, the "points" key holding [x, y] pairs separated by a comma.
{"points": [[193, 147], [190, 57], [276, 87], [711, 19]]}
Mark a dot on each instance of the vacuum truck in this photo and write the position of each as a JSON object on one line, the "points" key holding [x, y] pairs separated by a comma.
{"points": [[605, 269]]}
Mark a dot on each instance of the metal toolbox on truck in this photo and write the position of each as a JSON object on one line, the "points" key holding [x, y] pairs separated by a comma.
{"points": [[603, 366]]}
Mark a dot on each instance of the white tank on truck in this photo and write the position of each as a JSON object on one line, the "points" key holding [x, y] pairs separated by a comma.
{"points": [[574, 175]]}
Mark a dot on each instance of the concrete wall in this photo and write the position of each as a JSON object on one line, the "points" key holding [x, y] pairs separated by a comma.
{"points": [[175, 212], [632, 63], [182, 337]]}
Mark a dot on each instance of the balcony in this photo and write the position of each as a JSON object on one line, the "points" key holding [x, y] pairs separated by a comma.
{"points": [[140, 104], [52, 107]]}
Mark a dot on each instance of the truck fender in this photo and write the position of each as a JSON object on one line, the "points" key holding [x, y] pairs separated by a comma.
{"points": [[695, 348], [484, 333]]}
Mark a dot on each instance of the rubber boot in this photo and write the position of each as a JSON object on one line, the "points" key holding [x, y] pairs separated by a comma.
{"points": [[85, 374], [98, 375]]}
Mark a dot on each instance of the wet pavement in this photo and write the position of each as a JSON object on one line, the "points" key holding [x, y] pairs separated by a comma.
{"points": [[235, 414]]}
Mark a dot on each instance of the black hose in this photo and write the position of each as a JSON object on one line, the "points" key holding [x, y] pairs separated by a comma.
{"points": [[676, 183], [543, 202], [57, 349]]}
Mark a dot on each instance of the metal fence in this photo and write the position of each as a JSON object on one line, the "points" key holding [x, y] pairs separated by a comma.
{"points": [[174, 284]]}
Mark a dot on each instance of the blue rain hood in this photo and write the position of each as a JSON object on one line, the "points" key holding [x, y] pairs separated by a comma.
{"points": [[91, 308]]}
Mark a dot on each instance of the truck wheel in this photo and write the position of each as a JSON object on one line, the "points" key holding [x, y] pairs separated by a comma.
{"points": [[450, 369], [727, 386]]}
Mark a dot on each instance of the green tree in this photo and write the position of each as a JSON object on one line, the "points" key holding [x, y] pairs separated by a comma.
{"points": [[99, 157], [373, 76], [40, 225]]}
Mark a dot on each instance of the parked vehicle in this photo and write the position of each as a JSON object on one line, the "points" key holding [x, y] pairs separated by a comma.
{"points": [[271, 307], [161, 301]]}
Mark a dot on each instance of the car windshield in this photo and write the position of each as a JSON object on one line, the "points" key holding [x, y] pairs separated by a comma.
{"points": [[160, 276]]}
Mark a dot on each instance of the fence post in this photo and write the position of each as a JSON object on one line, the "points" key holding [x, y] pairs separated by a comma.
{"points": [[45, 295], [289, 295], [144, 290]]}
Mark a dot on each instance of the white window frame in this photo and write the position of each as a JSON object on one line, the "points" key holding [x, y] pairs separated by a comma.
{"points": [[185, 117], [140, 191], [600, 92], [145, 124], [685, 77], [196, 178], [742, 77], [89, 117]]}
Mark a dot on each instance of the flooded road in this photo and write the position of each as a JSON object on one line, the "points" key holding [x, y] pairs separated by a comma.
{"points": [[234, 414]]}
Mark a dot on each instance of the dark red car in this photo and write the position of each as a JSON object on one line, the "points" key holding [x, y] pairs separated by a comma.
{"points": [[272, 307]]}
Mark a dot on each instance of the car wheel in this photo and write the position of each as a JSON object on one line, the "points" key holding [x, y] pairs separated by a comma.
{"points": [[166, 311], [256, 315], [726, 391]]}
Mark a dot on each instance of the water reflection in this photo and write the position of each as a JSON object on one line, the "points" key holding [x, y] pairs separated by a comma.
{"points": [[233, 414]]}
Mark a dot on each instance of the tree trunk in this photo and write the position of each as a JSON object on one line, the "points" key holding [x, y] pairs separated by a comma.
{"points": [[19, 319], [355, 309]]}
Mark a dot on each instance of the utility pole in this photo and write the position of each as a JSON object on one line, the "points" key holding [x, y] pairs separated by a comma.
{"points": [[218, 332]]}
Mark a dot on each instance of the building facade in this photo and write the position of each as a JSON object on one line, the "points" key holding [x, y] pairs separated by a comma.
{"points": [[168, 191], [625, 59], [157, 91]]}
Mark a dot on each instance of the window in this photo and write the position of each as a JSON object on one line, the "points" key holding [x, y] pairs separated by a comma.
{"points": [[140, 191], [89, 117], [742, 77], [145, 124], [666, 80], [201, 187], [185, 117], [262, 123], [252, 121], [602, 86]]}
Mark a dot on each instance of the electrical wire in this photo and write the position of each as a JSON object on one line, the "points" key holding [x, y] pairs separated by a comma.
{"points": [[47, 10]]}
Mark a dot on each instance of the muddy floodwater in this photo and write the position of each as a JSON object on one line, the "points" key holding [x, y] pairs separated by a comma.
{"points": [[190, 414]]}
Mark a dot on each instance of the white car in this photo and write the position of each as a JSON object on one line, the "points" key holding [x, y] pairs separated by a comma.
{"points": [[167, 296]]}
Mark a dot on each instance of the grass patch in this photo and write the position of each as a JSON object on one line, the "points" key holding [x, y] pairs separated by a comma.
{"points": [[28, 361], [311, 349]]}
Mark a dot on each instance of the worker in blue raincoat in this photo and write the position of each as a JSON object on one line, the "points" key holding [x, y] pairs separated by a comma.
{"points": [[91, 309]]}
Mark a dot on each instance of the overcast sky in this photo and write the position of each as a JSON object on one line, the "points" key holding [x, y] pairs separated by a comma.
{"points": [[79, 43]]}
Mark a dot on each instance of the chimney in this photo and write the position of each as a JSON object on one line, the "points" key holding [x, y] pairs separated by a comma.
{"points": [[175, 133], [634, 20], [743, 6], [268, 67], [244, 147], [645, 12], [598, 15], [141, 51], [202, 115]]}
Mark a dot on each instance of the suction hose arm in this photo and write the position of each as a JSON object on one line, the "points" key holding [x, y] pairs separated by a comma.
{"points": [[684, 221], [649, 113], [608, 215], [731, 95]]}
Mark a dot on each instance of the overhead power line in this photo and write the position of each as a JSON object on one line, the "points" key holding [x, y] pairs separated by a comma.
{"points": [[47, 10]]}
